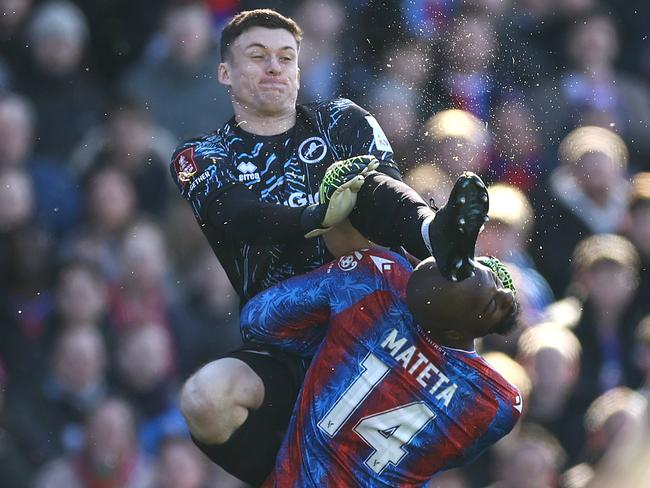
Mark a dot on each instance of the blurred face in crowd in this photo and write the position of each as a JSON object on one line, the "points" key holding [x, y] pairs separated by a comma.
{"points": [[15, 132], [112, 200], [58, 54], [499, 239], [593, 44], [553, 377], [261, 71], [516, 133], [530, 466], [16, 199], [12, 14], [610, 286], [81, 296], [79, 360], [144, 357], [110, 433], [597, 174], [180, 465], [471, 45], [189, 32], [130, 135], [144, 257]]}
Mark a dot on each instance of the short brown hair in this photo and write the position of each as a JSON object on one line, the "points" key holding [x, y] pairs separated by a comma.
{"points": [[261, 17]]}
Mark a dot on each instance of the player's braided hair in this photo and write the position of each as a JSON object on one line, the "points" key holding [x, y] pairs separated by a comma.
{"points": [[499, 269]]}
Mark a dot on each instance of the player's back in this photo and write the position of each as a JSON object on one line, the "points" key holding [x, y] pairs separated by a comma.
{"points": [[382, 405]]}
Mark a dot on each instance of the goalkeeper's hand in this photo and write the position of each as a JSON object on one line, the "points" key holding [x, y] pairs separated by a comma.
{"points": [[337, 194]]}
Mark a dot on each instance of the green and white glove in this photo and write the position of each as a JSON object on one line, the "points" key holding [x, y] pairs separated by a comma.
{"points": [[337, 194]]}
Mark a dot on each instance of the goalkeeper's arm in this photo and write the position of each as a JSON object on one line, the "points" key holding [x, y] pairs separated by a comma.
{"points": [[239, 212]]}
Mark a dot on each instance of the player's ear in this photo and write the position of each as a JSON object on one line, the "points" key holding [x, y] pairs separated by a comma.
{"points": [[298, 78], [223, 74]]}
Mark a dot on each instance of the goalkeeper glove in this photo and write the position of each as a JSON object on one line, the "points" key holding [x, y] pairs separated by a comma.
{"points": [[337, 194]]}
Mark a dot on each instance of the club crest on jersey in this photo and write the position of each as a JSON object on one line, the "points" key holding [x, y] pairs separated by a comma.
{"points": [[312, 150], [185, 166], [349, 261], [248, 172]]}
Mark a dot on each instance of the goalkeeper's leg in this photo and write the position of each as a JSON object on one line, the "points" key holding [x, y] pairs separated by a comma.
{"points": [[392, 214]]}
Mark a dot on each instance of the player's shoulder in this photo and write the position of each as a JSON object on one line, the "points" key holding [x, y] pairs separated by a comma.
{"points": [[335, 107], [379, 262], [211, 144], [508, 392]]}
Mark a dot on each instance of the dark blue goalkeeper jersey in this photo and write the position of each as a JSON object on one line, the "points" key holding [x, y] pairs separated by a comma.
{"points": [[284, 169]]}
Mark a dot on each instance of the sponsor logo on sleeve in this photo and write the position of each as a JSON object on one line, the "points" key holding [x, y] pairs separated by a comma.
{"points": [[185, 166], [312, 150], [381, 141]]}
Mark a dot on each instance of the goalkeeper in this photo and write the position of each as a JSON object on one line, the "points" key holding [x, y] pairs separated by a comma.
{"points": [[264, 188]]}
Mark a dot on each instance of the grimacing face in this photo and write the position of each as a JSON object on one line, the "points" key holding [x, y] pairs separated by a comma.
{"points": [[261, 71], [486, 303]]}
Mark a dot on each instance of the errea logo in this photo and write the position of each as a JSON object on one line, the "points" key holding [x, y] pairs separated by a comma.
{"points": [[248, 171]]}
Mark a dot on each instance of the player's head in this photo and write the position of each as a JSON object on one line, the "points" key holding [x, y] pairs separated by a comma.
{"points": [[259, 60], [459, 311]]}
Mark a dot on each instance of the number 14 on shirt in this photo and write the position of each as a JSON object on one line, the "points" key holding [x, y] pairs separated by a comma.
{"points": [[386, 432]]}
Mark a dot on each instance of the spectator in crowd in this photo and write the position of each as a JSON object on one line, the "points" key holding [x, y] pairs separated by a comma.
{"points": [[26, 298], [14, 468], [605, 270], [131, 142], [320, 69], [465, 78], [145, 362], [637, 230], [179, 86], [612, 418], [55, 192], [431, 182], [533, 458], [641, 354], [110, 455], [587, 194], [13, 37], [180, 465], [47, 417], [551, 356], [455, 141], [73, 101], [396, 95], [592, 90], [214, 306], [518, 159], [110, 208], [505, 236]]}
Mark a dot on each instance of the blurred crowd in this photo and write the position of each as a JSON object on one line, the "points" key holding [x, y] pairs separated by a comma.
{"points": [[110, 295]]}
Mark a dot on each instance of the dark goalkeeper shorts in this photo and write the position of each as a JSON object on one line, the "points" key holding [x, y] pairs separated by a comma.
{"points": [[251, 451]]}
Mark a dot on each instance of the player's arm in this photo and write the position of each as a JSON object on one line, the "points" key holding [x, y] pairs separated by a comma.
{"points": [[293, 314], [253, 221], [220, 200]]}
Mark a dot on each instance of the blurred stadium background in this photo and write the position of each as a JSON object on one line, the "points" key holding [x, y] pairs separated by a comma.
{"points": [[110, 296]]}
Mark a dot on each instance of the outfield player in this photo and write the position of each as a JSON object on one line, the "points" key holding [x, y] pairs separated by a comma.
{"points": [[264, 188], [395, 392]]}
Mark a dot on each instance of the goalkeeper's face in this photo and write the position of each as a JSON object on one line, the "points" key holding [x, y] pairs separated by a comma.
{"points": [[261, 71]]}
